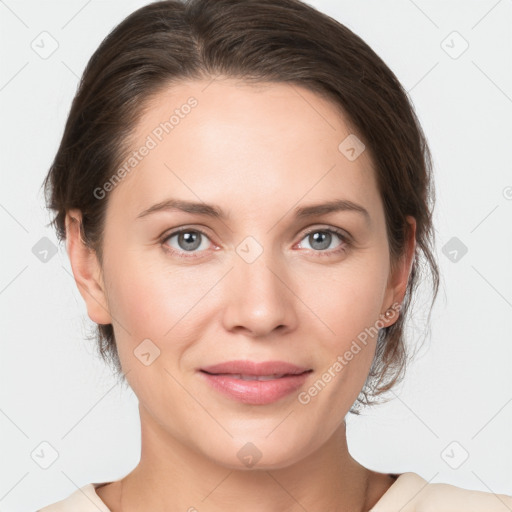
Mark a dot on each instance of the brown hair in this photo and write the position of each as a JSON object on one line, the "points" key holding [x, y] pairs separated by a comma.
{"points": [[257, 41]]}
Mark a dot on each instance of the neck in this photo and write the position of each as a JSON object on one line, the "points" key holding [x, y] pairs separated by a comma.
{"points": [[171, 476]]}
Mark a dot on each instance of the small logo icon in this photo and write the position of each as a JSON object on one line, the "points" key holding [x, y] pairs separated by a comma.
{"points": [[44, 250], [455, 455], [44, 455], [454, 45], [146, 352], [249, 249], [249, 454], [351, 147], [45, 45], [507, 193], [454, 249]]}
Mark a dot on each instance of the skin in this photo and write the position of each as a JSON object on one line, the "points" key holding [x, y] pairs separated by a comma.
{"points": [[257, 152]]}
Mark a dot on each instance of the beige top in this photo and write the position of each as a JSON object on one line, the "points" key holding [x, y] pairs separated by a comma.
{"points": [[409, 493]]}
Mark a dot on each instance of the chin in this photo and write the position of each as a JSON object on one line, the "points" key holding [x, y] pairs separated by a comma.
{"points": [[259, 453]]}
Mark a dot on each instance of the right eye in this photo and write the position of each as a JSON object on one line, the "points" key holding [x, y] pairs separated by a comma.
{"points": [[186, 240]]}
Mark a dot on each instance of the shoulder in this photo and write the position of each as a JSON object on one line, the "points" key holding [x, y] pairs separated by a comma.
{"points": [[412, 493], [449, 497], [84, 499]]}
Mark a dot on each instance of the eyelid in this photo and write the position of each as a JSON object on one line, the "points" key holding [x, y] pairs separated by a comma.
{"points": [[338, 231]]}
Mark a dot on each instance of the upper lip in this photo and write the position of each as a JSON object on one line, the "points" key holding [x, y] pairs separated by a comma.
{"points": [[254, 368]]}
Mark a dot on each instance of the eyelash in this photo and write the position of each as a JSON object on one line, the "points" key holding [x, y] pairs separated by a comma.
{"points": [[346, 243]]}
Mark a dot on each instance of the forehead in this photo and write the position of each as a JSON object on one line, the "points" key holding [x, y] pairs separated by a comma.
{"points": [[211, 140]]}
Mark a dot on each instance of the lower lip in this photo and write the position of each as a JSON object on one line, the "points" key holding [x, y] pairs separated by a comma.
{"points": [[256, 392]]}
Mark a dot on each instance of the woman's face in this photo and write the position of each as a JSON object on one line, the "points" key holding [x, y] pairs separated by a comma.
{"points": [[258, 282]]}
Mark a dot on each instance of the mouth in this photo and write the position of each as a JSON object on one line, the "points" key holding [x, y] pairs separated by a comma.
{"points": [[257, 377], [255, 383], [258, 369]]}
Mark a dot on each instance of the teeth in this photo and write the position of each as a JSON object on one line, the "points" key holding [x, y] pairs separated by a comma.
{"points": [[256, 377]]}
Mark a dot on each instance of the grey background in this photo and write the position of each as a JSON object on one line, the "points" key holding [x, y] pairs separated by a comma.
{"points": [[457, 399]]}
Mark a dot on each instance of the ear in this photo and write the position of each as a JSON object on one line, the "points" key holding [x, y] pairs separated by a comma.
{"points": [[86, 270], [399, 277]]}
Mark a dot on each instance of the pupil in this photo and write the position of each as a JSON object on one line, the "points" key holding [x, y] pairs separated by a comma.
{"points": [[189, 238], [323, 237]]}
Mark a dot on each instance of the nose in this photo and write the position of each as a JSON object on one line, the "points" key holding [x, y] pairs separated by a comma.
{"points": [[260, 298]]}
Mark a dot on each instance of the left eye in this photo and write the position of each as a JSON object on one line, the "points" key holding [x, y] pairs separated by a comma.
{"points": [[322, 239]]}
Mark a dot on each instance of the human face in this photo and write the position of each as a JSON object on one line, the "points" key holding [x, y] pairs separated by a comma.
{"points": [[254, 286]]}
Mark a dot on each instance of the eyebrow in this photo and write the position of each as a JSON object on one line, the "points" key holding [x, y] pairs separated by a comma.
{"points": [[216, 212]]}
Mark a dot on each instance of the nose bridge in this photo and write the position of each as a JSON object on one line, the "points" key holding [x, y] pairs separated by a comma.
{"points": [[257, 274], [256, 267], [259, 299]]}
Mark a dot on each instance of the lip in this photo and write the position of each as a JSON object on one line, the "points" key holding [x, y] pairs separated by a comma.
{"points": [[245, 367], [225, 378]]}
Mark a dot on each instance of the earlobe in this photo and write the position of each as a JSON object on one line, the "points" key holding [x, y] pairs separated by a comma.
{"points": [[397, 286], [86, 270]]}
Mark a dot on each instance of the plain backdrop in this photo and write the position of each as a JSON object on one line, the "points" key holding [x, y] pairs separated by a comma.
{"points": [[450, 421]]}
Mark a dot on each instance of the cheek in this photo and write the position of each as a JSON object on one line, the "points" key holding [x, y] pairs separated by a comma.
{"points": [[150, 299], [351, 300], [141, 304], [141, 300], [351, 309], [149, 309]]}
